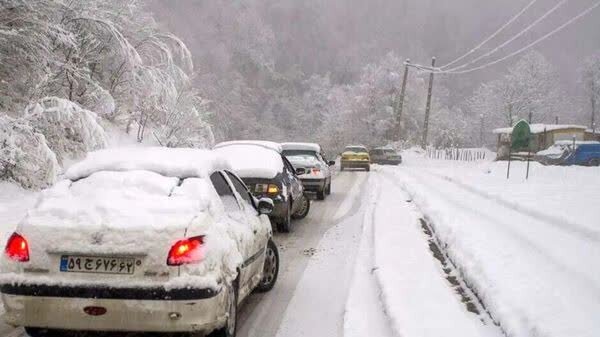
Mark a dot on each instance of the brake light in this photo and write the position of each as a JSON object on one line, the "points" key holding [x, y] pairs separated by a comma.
{"points": [[17, 248], [272, 189], [186, 251]]}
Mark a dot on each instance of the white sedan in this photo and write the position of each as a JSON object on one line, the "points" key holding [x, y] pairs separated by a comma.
{"points": [[154, 239]]}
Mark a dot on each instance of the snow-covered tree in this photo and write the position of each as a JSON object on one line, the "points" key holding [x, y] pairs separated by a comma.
{"points": [[529, 91], [25, 158], [69, 130]]}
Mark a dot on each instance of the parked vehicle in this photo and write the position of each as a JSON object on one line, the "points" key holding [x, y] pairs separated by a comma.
{"points": [[309, 156], [355, 156], [151, 239], [269, 174], [571, 153], [385, 156]]}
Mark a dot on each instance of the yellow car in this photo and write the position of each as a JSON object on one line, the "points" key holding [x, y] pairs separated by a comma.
{"points": [[356, 156]]}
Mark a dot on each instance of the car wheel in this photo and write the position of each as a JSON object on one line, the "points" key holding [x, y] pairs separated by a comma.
{"points": [[321, 194], [328, 189], [37, 332], [594, 162], [230, 328], [368, 168], [270, 269], [285, 224], [304, 207]]}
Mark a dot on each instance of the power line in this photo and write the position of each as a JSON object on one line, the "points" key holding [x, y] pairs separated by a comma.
{"points": [[561, 27], [513, 19], [528, 28]]}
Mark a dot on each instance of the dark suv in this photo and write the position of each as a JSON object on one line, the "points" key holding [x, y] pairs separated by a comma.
{"points": [[267, 173]]}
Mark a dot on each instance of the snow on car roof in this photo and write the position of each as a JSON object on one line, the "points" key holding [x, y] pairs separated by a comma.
{"points": [[264, 143], [301, 146], [181, 163], [539, 128], [251, 160]]}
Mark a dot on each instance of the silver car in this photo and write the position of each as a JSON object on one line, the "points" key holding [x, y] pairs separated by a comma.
{"points": [[385, 156], [153, 239], [309, 158]]}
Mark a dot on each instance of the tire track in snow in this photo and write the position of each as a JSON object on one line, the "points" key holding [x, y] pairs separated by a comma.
{"points": [[560, 278], [507, 227], [559, 223]]}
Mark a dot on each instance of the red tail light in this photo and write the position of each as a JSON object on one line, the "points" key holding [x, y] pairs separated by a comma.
{"points": [[17, 248], [186, 251]]}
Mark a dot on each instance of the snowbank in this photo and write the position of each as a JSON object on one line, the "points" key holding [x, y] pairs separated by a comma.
{"points": [[251, 161], [418, 298], [24, 156], [70, 130], [14, 203], [525, 247]]}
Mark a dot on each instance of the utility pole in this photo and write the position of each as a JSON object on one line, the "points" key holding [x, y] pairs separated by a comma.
{"points": [[400, 103], [481, 131], [428, 106], [593, 123]]}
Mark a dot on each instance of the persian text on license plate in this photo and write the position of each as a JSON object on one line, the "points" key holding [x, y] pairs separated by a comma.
{"points": [[97, 264]]}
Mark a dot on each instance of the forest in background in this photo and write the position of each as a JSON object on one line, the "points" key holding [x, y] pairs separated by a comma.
{"points": [[190, 73]]}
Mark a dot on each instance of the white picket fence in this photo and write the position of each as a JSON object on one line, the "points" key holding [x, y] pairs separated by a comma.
{"points": [[470, 154]]}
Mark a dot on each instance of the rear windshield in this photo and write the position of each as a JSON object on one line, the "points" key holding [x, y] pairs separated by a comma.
{"points": [[355, 149], [300, 153]]}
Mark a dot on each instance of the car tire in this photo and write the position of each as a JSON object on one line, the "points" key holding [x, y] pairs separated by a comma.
{"points": [[230, 328], [321, 194], [328, 188], [270, 268], [37, 332], [594, 162], [368, 168], [285, 224], [303, 210]]}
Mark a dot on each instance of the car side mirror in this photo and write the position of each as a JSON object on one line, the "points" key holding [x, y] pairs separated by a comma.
{"points": [[300, 171], [331, 163], [265, 206]]}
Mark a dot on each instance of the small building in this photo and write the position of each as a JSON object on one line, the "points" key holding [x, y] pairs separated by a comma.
{"points": [[592, 135], [543, 136]]}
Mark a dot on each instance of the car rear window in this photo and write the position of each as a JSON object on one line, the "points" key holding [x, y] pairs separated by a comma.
{"points": [[355, 149]]}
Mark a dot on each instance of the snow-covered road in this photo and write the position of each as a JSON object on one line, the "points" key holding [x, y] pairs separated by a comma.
{"points": [[360, 265], [408, 251]]}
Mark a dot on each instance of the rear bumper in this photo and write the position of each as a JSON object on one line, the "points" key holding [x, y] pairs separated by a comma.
{"points": [[127, 309], [314, 185], [355, 163], [388, 161]]}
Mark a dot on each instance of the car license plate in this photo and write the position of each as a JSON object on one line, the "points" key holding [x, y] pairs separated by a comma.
{"points": [[97, 264]]}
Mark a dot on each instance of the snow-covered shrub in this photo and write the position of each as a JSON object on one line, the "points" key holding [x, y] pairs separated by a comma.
{"points": [[70, 131], [25, 158]]}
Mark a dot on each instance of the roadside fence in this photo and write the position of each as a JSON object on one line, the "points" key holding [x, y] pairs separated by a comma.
{"points": [[457, 154]]}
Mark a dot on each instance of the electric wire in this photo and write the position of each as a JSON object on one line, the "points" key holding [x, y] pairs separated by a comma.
{"points": [[532, 44], [488, 39], [527, 29]]}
